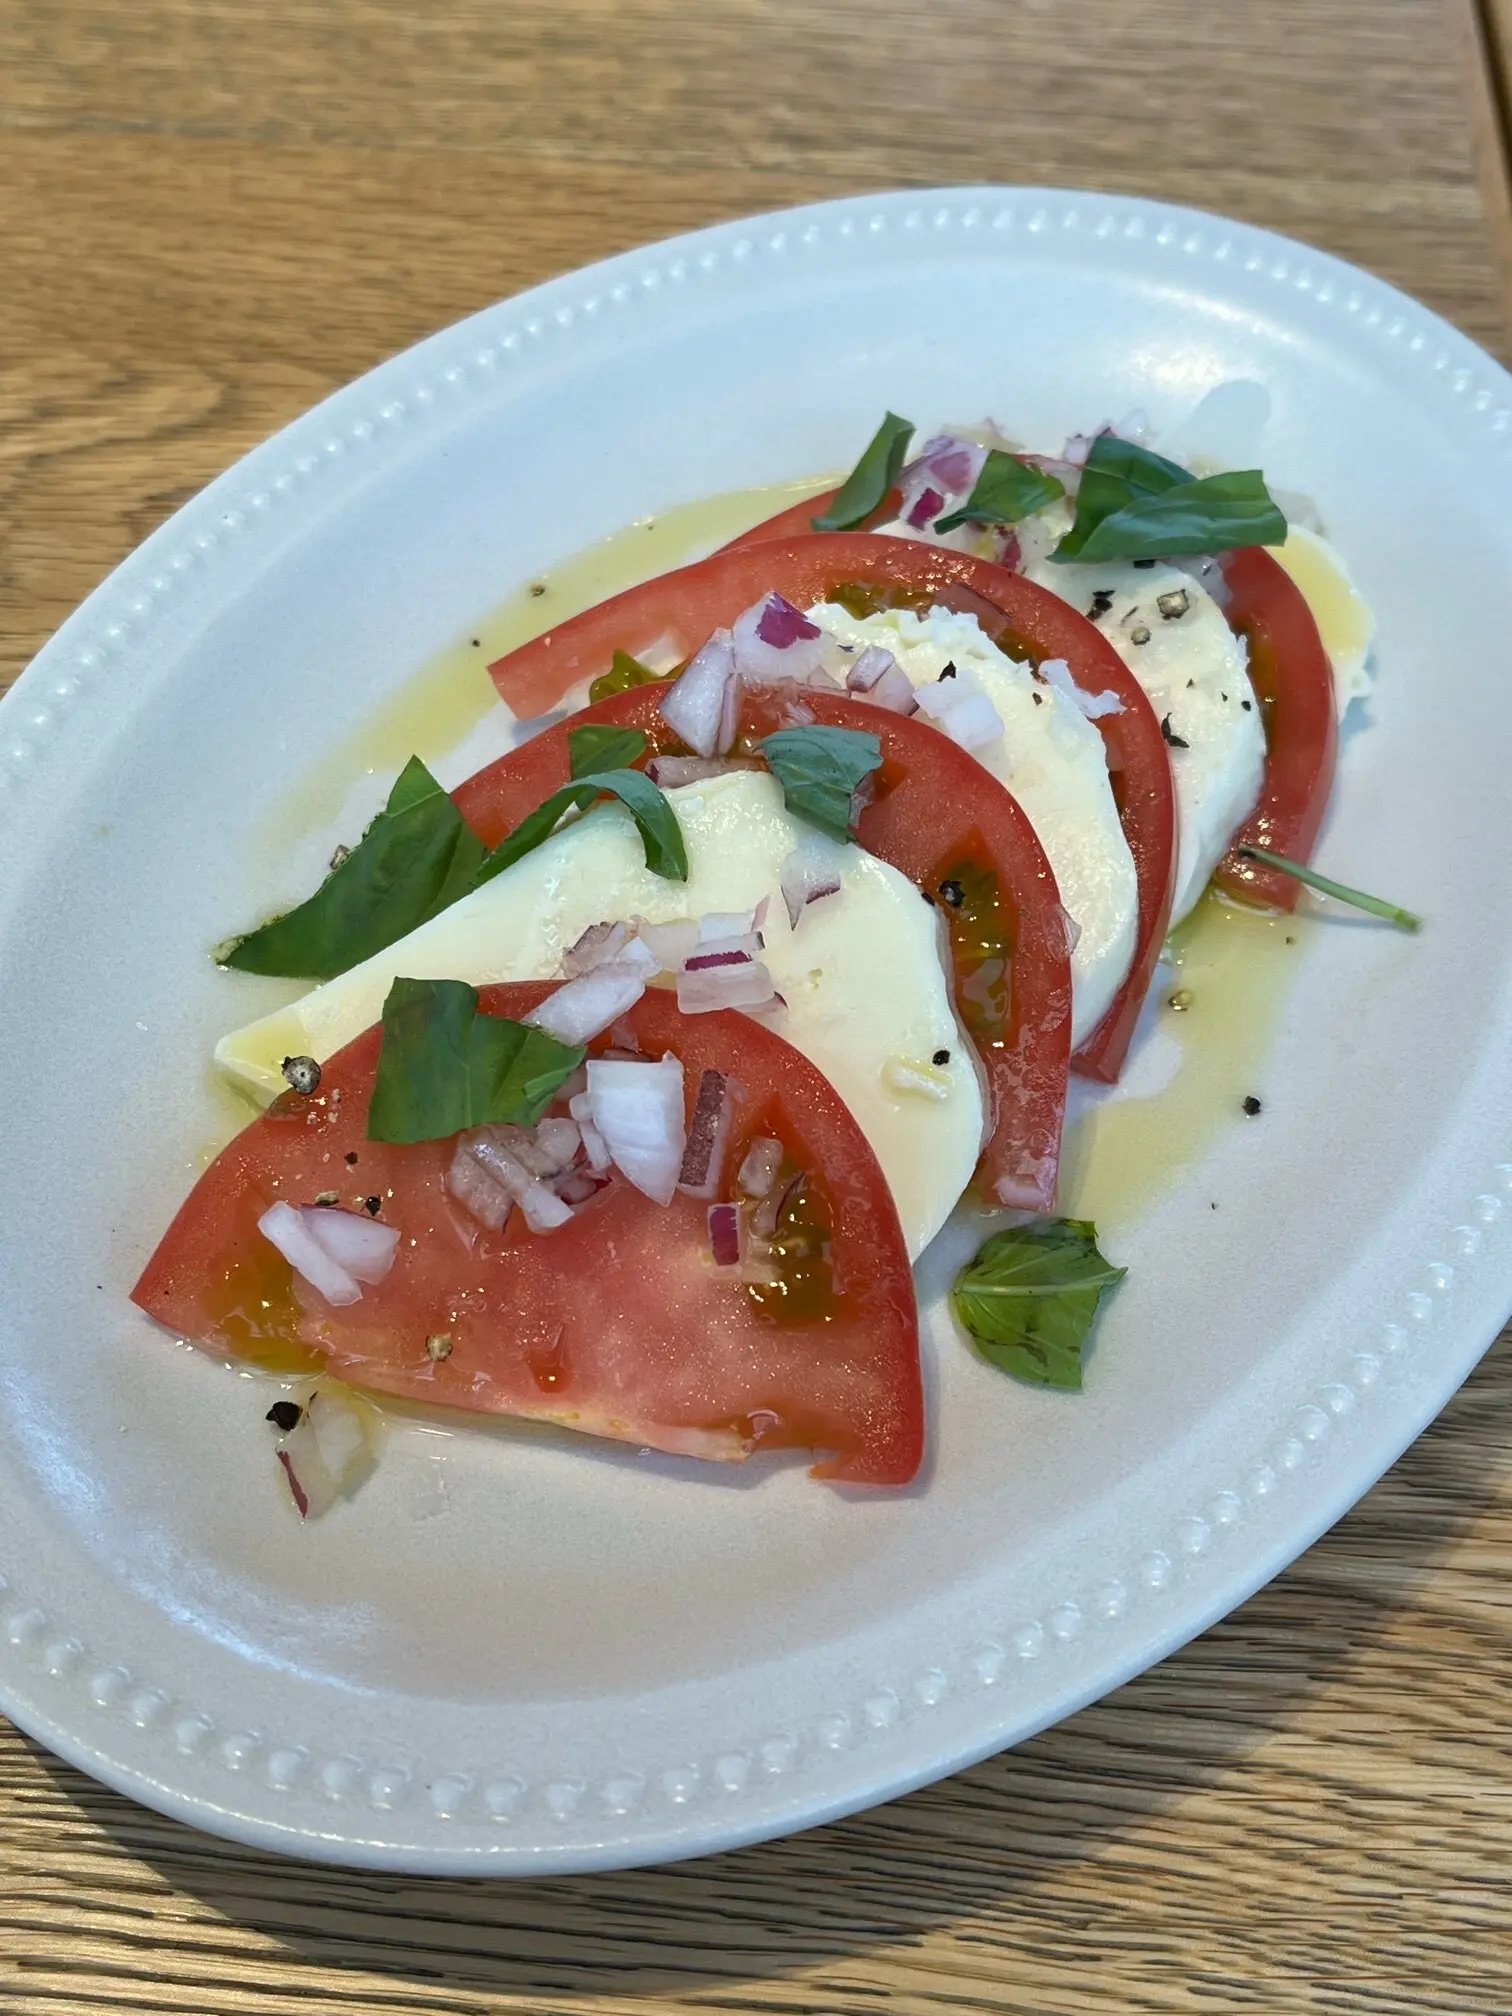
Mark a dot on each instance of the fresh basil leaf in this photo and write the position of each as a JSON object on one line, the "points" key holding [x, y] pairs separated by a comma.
{"points": [[443, 1067], [1133, 504], [1377, 906], [871, 479], [819, 769], [1029, 1297], [1006, 491], [418, 856], [661, 836], [1213, 514], [1116, 473], [600, 746], [625, 672]]}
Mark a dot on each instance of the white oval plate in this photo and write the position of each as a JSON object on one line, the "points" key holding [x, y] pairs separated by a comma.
{"points": [[512, 1654]]}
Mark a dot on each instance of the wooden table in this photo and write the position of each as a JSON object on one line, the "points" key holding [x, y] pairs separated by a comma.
{"points": [[213, 212]]}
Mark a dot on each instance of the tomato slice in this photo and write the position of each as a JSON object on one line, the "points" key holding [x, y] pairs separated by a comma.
{"points": [[682, 608], [950, 826], [618, 1323], [1293, 681]]}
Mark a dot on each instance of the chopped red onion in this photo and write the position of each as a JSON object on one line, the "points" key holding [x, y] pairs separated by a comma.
{"points": [[670, 943], [494, 1148], [758, 1171], [724, 1234], [670, 772], [747, 985], [926, 507], [780, 624], [693, 707], [353, 1240], [625, 1038], [708, 1136], [559, 1141], [327, 1453], [476, 1191], [595, 947], [1057, 673], [585, 1007], [760, 659], [877, 676], [595, 1148], [731, 951], [637, 1107], [287, 1230], [581, 1184], [807, 875]]}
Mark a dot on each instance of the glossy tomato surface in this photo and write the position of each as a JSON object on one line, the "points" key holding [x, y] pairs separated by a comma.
{"points": [[618, 1323]]}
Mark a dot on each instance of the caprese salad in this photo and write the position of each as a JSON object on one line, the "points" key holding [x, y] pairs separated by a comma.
{"points": [[636, 1072]]}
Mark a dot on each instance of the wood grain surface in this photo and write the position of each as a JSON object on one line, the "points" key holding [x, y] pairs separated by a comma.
{"points": [[211, 213]]}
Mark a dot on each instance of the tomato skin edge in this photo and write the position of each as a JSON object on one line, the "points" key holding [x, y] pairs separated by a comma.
{"points": [[1294, 684]]}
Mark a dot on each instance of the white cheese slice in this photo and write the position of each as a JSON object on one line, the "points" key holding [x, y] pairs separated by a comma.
{"points": [[1176, 641], [867, 998], [1053, 761]]}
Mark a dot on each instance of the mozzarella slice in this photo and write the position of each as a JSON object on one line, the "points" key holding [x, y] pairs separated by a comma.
{"points": [[867, 998], [1053, 761], [1176, 641]]}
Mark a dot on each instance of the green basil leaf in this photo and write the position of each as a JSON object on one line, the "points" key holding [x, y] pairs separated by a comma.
{"points": [[871, 479], [1213, 514], [443, 1067], [1029, 1297], [602, 747], [819, 769], [1006, 491], [418, 856], [1135, 505], [661, 836], [1116, 474], [625, 672]]}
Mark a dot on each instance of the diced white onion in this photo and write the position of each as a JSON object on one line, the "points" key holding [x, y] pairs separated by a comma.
{"points": [[960, 707], [287, 1230], [1057, 673], [353, 1240], [584, 1007], [694, 706], [637, 1107]]}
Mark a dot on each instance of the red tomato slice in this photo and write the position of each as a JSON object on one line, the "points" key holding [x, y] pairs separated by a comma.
{"points": [[618, 1323], [1293, 681], [683, 607], [941, 819]]}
